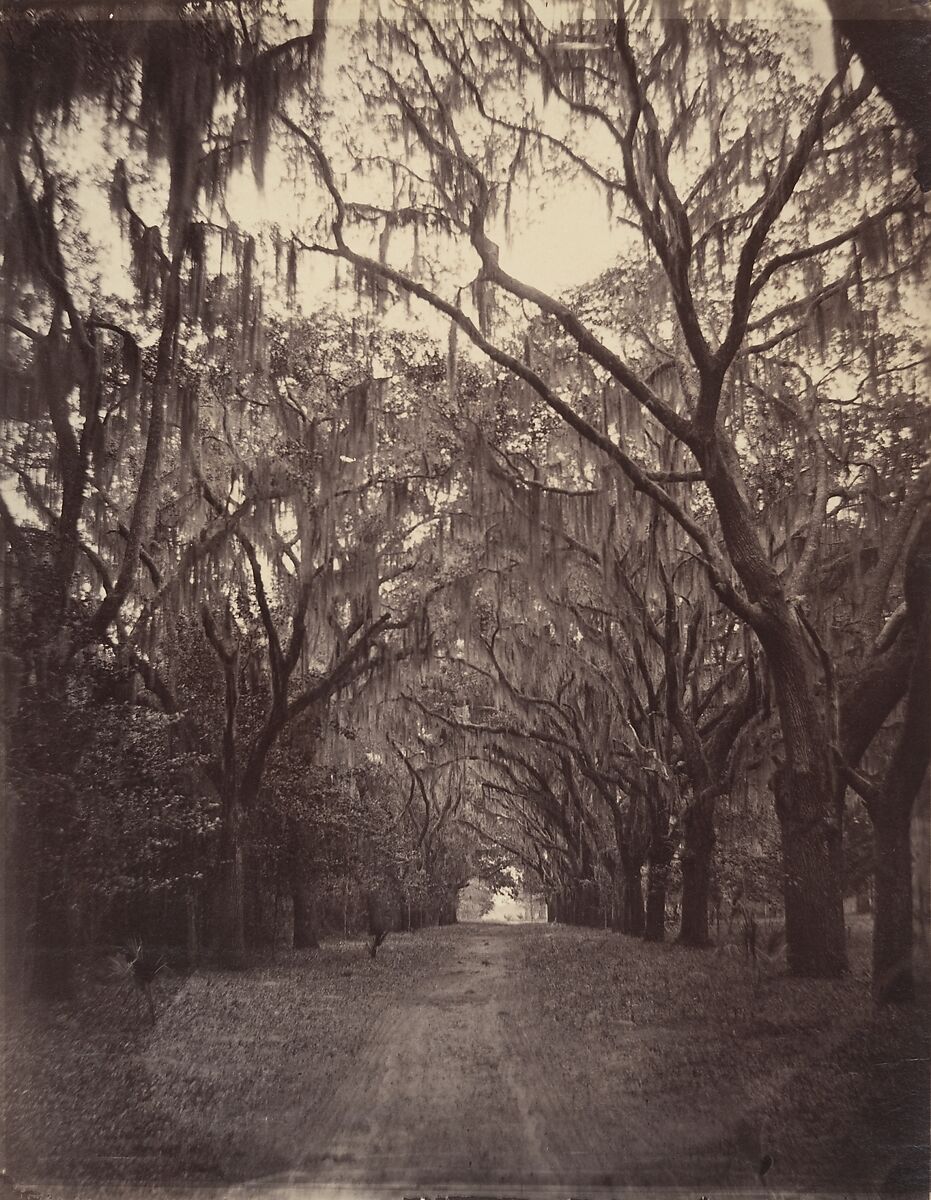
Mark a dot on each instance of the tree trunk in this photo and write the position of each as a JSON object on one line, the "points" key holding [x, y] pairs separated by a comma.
{"points": [[697, 855], [229, 914], [619, 902], [306, 925], [635, 911], [52, 975], [892, 927], [816, 943], [583, 903], [593, 917], [632, 918], [190, 925], [891, 809], [657, 877], [810, 817]]}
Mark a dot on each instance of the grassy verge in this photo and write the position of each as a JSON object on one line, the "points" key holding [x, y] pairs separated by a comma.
{"points": [[222, 1088], [691, 1056]]}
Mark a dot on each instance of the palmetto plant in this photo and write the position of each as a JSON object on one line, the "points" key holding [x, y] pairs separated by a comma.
{"points": [[141, 966]]}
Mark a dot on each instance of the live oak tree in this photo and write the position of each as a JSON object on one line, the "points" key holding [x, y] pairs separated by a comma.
{"points": [[519, 798], [656, 114], [293, 549], [167, 88], [195, 94], [889, 790], [165, 85], [552, 749], [893, 41], [297, 544], [616, 719], [141, 529], [336, 838], [682, 676]]}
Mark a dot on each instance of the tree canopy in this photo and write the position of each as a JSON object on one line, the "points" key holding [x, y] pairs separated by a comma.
{"points": [[387, 557]]}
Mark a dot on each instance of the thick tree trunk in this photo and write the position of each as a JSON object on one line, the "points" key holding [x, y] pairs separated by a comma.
{"points": [[306, 934], [619, 902], [892, 928], [192, 941], [52, 974], [816, 942], [586, 910], [635, 911], [891, 809], [810, 817], [573, 904], [632, 917], [697, 856]]}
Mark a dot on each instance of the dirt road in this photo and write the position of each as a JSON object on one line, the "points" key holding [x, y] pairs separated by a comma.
{"points": [[456, 1091], [445, 1092]]}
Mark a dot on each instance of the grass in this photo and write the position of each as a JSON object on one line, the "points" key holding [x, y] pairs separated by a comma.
{"points": [[221, 1087], [723, 1060]]}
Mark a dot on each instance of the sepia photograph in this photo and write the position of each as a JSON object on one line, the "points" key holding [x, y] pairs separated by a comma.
{"points": [[465, 599]]}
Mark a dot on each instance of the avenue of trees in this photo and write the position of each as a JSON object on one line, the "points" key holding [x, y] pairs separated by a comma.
{"points": [[342, 565]]}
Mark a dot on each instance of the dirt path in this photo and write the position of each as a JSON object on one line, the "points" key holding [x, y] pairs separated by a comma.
{"points": [[443, 1094], [453, 1092]]}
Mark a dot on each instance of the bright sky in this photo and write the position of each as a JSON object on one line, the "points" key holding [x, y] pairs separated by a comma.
{"points": [[559, 236], [505, 908], [563, 240]]}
